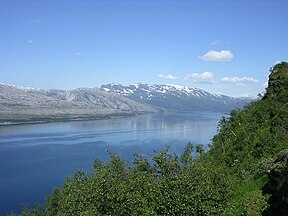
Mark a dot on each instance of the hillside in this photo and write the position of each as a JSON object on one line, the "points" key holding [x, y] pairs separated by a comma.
{"points": [[244, 172], [252, 143], [177, 97], [18, 104]]}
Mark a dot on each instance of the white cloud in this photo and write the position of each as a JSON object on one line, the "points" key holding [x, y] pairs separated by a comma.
{"points": [[30, 42], [277, 62], [79, 54], [246, 95], [206, 77], [212, 55], [240, 81], [216, 42], [169, 77], [35, 21]]}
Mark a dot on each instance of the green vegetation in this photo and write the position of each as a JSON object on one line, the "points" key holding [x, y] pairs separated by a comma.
{"points": [[230, 179]]}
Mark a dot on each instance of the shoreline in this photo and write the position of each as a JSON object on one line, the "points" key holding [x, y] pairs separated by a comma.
{"points": [[54, 119], [89, 117]]}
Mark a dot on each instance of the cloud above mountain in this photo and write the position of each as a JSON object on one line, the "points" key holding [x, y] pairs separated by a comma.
{"points": [[222, 55], [168, 77], [79, 54], [215, 42], [205, 78], [241, 81]]}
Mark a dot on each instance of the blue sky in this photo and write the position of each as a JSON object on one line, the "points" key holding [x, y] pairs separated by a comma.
{"points": [[222, 46]]}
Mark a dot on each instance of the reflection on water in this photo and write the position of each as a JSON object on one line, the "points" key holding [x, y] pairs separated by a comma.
{"points": [[35, 158]]}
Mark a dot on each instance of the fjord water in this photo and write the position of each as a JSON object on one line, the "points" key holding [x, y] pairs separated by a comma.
{"points": [[37, 157]]}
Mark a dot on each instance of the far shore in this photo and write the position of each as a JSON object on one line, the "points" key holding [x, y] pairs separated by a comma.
{"points": [[63, 118]]}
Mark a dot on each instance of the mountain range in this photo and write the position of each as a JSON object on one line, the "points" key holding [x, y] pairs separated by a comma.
{"points": [[19, 104], [176, 97], [22, 104]]}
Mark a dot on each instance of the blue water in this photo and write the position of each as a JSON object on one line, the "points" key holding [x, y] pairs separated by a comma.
{"points": [[36, 158]]}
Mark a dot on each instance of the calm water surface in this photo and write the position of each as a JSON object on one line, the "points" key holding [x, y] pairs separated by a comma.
{"points": [[36, 158]]}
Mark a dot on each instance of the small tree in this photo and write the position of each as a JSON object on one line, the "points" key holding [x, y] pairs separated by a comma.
{"points": [[186, 157], [199, 148]]}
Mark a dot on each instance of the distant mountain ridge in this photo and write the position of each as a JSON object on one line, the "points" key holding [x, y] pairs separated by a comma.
{"points": [[24, 103], [176, 97], [18, 103]]}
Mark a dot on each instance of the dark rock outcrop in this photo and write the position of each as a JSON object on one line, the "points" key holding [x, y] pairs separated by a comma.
{"points": [[277, 185], [278, 171]]}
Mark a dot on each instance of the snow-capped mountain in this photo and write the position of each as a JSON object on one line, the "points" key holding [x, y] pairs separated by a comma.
{"points": [[176, 97], [24, 103]]}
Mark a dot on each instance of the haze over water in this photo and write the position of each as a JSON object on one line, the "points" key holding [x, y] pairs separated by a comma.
{"points": [[36, 158]]}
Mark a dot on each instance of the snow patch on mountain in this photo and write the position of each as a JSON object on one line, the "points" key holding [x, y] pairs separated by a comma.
{"points": [[176, 97]]}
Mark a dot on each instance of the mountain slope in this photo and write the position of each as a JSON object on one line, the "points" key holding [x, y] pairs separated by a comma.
{"points": [[26, 103], [253, 143], [176, 97]]}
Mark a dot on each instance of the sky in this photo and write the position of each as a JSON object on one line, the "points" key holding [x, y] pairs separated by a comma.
{"points": [[221, 46]]}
